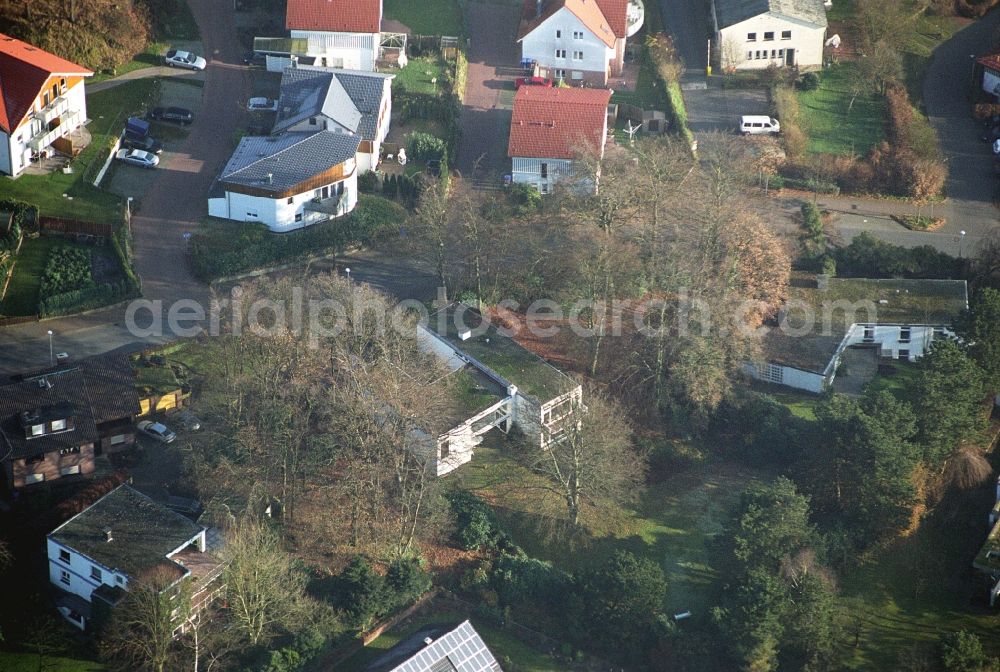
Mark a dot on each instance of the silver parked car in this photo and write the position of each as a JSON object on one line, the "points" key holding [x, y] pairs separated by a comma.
{"points": [[184, 59], [138, 157], [156, 430]]}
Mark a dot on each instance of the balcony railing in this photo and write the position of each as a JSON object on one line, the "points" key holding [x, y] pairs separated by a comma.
{"points": [[56, 108], [46, 137]]}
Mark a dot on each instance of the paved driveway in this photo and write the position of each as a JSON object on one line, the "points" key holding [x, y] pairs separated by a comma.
{"points": [[718, 109], [493, 59], [971, 186], [687, 21]]}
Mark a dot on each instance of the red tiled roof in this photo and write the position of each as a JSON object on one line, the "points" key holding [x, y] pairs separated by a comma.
{"points": [[24, 69], [991, 61], [335, 16], [553, 123], [604, 18]]}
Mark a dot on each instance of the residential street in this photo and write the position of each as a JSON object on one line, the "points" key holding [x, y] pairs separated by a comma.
{"points": [[493, 59]]}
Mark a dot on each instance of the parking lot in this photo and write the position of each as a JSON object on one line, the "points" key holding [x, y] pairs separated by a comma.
{"points": [[133, 181], [718, 109]]}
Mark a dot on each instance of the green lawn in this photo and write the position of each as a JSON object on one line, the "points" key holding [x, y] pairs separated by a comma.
{"points": [[22, 294], [899, 382], [428, 17], [108, 111], [417, 75], [29, 662], [648, 94], [832, 124], [802, 404], [674, 521], [929, 32], [501, 642]]}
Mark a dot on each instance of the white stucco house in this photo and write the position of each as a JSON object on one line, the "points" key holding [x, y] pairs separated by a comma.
{"points": [[990, 67], [550, 128], [123, 537], [895, 319], [755, 34], [289, 181], [496, 384], [42, 105], [339, 101], [578, 40], [339, 33]]}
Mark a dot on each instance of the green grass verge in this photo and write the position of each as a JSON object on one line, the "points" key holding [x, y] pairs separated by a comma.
{"points": [[428, 17], [832, 124], [648, 94], [929, 32], [505, 647], [23, 292], [416, 76], [108, 111], [30, 662], [149, 57]]}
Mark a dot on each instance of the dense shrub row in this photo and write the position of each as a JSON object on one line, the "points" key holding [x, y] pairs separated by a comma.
{"points": [[366, 596], [86, 298], [444, 109], [66, 269], [215, 255], [668, 68], [868, 257], [22, 216]]}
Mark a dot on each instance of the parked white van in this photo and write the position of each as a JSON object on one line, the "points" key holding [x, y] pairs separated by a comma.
{"points": [[754, 124]]}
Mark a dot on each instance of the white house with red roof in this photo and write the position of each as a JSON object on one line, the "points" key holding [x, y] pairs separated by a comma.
{"points": [[340, 33], [578, 40], [990, 73], [550, 129], [42, 101]]}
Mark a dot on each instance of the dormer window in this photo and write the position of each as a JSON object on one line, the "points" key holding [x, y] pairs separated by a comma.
{"points": [[45, 420]]}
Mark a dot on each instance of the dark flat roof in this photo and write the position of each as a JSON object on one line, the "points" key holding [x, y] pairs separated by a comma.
{"points": [[143, 532]]}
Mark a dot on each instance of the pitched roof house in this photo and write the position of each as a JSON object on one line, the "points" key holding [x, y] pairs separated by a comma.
{"points": [[342, 101], [340, 33], [122, 537], [578, 40], [755, 34], [988, 73], [894, 319], [550, 127], [42, 103], [288, 181], [439, 649], [53, 423]]}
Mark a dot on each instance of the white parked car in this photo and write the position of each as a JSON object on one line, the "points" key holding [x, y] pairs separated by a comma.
{"points": [[156, 430], [138, 157], [751, 124], [262, 105], [184, 59], [996, 146]]}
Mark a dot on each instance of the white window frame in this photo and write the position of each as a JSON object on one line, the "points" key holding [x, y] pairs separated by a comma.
{"points": [[577, 55], [577, 34], [64, 577], [560, 53]]}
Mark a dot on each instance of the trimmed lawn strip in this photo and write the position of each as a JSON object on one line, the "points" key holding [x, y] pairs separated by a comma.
{"points": [[151, 56], [427, 17], [23, 292], [830, 126], [416, 76], [107, 111], [648, 94]]}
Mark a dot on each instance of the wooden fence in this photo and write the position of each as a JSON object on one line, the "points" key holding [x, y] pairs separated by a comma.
{"points": [[58, 225]]}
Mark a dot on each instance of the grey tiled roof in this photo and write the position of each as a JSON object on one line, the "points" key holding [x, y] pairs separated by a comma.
{"points": [[143, 532], [289, 159], [731, 12], [67, 387], [457, 649], [350, 98]]}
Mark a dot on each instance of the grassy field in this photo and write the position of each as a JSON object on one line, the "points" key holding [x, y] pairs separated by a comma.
{"points": [[147, 58], [501, 643], [430, 17], [674, 521], [22, 294], [108, 111], [416, 76], [29, 662], [833, 125]]}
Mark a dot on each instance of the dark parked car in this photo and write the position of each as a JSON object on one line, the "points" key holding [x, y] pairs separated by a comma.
{"points": [[147, 144], [175, 114], [254, 58]]}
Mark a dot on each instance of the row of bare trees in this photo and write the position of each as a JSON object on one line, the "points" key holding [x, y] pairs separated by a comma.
{"points": [[662, 227]]}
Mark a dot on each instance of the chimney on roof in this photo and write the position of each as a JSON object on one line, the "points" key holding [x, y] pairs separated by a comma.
{"points": [[538, 8], [427, 640], [44, 384], [107, 535], [270, 178]]}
